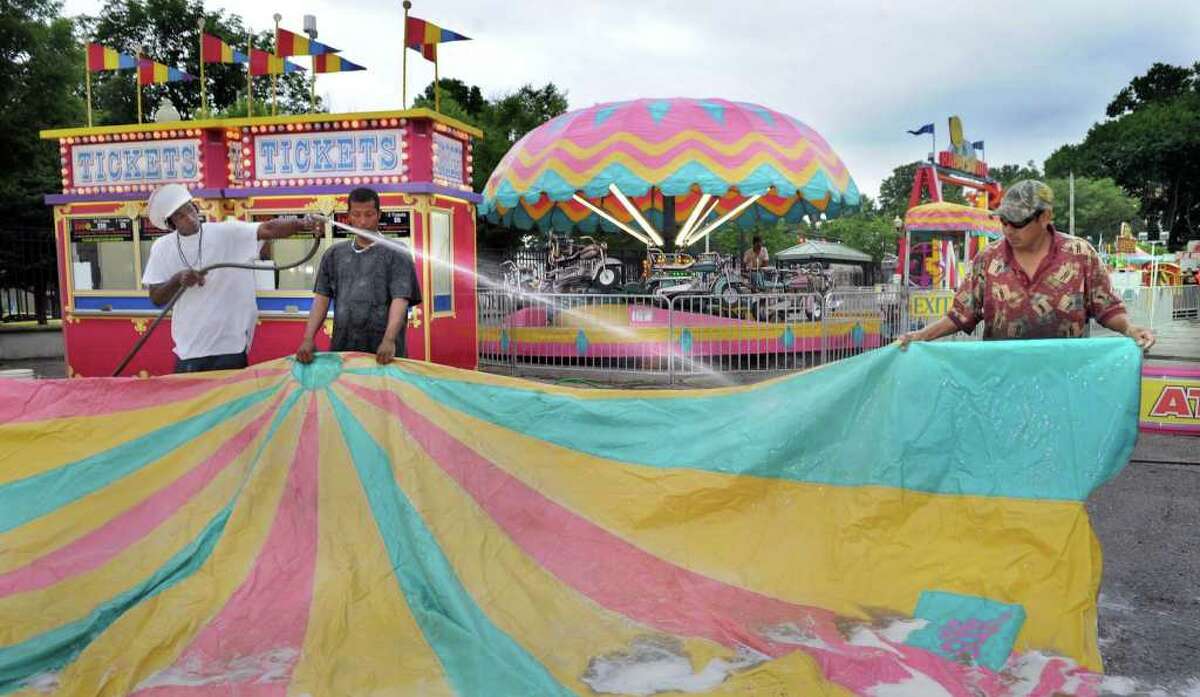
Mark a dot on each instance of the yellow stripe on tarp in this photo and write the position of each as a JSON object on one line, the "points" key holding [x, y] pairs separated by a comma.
{"points": [[73, 598], [549, 619], [361, 638], [81, 517], [47, 445], [152, 635], [817, 544]]}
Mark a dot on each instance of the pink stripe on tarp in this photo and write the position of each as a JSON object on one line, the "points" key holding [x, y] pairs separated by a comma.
{"points": [[114, 537], [630, 581], [39, 400], [251, 647]]}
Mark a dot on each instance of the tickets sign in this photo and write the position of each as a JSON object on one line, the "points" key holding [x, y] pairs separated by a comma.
{"points": [[1170, 400], [138, 162], [361, 153]]}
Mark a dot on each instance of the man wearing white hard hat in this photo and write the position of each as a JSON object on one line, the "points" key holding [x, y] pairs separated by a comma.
{"points": [[213, 322]]}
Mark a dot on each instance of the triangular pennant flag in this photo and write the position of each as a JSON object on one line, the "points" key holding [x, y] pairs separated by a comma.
{"points": [[424, 36], [214, 50], [153, 73], [264, 63], [293, 44], [100, 58], [334, 64]]}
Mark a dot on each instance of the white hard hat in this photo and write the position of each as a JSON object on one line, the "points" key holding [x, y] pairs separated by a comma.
{"points": [[164, 202]]}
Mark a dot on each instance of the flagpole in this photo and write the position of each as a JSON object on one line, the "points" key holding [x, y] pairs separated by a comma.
{"points": [[87, 78], [137, 75], [203, 86], [404, 60], [274, 77], [437, 88], [312, 95], [249, 72]]}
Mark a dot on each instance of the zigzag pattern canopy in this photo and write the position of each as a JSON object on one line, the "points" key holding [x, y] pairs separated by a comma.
{"points": [[650, 148], [898, 523]]}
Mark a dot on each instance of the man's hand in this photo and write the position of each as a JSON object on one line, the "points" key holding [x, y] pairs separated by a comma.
{"points": [[386, 352], [304, 354], [190, 277], [1142, 336], [906, 338], [310, 222]]}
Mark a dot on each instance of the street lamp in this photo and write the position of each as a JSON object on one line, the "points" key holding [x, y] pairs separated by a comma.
{"points": [[897, 223]]}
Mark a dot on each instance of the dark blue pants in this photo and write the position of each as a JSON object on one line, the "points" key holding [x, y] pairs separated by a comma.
{"points": [[224, 361]]}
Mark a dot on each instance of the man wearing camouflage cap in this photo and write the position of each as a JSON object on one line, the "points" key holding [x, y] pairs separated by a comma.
{"points": [[1036, 283]]}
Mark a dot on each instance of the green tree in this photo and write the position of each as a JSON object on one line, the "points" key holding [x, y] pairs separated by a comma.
{"points": [[41, 71], [168, 31], [870, 232], [504, 119], [1100, 207], [1149, 146], [896, 188], [1008, 175]]}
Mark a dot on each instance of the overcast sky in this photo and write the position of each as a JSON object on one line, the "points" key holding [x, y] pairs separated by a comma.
{"points": [[1026, 76]]}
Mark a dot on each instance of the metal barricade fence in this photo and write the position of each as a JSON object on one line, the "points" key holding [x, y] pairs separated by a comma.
{"points": [[696, 335], [625, 333], [1155, 306], [761, 332]]}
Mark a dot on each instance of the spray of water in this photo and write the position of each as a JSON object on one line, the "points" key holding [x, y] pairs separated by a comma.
{"points": [[550, 302]]}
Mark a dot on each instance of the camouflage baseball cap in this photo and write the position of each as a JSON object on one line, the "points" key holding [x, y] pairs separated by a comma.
{"points": [[1025, 198]]}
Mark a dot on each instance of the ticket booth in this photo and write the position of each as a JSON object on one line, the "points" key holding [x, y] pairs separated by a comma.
{"points": [[258, 169]]}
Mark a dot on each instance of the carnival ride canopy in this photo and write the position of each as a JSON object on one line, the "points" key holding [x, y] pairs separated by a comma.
{"points": [[659, 168]]}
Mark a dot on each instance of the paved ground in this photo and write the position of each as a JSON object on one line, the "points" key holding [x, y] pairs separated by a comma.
{"points": [[1148, 522]]}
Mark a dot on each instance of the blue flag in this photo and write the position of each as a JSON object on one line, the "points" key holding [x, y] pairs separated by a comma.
{"points": [[978, 145], [927, 128]]}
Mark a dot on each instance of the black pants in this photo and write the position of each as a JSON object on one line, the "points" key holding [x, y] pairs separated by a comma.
{"points": [[224, 361]]}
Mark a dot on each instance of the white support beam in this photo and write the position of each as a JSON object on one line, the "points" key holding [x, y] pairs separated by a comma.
{"points": [[691, 236], [722, 220], [604, 214], [637, 215], [691, 219]]}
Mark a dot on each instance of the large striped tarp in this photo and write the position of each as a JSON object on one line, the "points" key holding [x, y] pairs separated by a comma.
{"points": [[896, 523]]}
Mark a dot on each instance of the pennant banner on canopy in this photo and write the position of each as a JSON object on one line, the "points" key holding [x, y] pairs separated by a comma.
{"points": [[292, 44], [154, 73], [266, 63], [214, 50], [330, 63], [424, 36], [102, 58]]}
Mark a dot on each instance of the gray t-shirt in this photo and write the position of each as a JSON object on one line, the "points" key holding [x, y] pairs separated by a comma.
{"points": [[362, 285]]}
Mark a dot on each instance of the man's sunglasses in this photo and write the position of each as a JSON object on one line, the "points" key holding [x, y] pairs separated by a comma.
{"points": [[1018, 224]]}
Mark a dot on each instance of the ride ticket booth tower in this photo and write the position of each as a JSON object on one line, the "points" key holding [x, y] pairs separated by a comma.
{"points": [[255, 169]]}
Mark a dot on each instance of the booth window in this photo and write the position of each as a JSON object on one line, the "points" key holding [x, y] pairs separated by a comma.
{"points": [[102, 254], [287, 251], [442, 268]]}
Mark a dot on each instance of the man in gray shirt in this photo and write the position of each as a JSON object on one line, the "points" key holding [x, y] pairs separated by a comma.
{"points": [[372, 285]]}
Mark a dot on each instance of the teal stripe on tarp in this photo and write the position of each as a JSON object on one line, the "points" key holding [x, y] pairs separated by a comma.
{"points": [[1049, 419], [479, 658], [56, 648], [33, 497]]}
